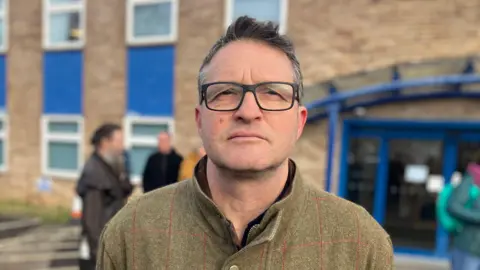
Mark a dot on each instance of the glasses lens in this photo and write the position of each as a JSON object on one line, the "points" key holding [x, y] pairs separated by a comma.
{"points": [[223, 96], [275, 96]]}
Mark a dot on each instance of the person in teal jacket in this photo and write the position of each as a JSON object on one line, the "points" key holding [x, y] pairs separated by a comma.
{"points": [[466, 251]]}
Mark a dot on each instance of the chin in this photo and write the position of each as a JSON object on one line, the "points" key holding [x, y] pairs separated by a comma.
{"points": [[245, 162]]}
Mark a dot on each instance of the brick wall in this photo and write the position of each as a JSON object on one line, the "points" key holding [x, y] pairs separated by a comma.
{"points": [[24, 98], [200, 24], [104, 65]]}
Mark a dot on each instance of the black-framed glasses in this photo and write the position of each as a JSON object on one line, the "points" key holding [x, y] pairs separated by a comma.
{"points": [[270, 96]]}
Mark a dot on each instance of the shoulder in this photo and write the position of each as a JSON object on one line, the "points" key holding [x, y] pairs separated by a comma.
{"points": [[177, 155], [90, 165], [153, 208], [345, 218]]}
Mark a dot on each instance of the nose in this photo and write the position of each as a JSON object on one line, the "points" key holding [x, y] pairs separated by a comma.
{"points": [[249, 109]]}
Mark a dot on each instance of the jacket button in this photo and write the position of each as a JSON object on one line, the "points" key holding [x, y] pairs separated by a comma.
{"points": [[234, 267]]}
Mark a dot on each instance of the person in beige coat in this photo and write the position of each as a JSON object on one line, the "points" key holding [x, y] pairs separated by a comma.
{"points": [[247, 206], [189, 163]]}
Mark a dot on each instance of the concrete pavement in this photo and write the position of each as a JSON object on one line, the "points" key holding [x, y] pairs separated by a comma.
{"points": [[42, 248], [403, 262]]}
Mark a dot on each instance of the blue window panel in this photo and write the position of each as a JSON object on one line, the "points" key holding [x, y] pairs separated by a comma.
{"points": [[59, 2], [2, 158], [150, 81], [263, 10], [2, 25], [3, 83], [62, 128], [150, 130], [63, 26], [152, 19], [63, 156], [138, 158], [63, 82], [2, 33]]}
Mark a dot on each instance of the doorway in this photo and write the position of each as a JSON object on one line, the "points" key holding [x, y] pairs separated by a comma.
{"points": [[396, 169]]}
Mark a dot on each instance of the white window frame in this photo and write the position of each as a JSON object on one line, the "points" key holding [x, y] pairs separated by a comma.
{"points": [[4, 138], [136, 41], [146, 141], [48, 10], [4, 16], [283, 15], [66, 137]]}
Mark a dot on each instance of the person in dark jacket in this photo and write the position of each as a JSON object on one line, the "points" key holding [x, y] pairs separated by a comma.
{"points": [[466, 209], [103, 186], [162, 168]]}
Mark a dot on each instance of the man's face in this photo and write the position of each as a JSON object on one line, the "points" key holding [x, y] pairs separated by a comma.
{"points": [[164, 145], [115, 143], [249, 139]]}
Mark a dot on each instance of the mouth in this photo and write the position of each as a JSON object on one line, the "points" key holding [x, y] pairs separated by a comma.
{"points": [[243, 136]]}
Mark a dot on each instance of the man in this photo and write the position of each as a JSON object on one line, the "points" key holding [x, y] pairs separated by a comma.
{"points": [[162, 167], [103, 187], [464, 206], [247, 206]]}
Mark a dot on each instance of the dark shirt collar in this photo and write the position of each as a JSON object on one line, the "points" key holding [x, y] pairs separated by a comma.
{"points": [[285, 202]]}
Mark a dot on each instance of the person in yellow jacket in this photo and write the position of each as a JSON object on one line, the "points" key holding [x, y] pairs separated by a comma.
{"points": [[188, 164]]}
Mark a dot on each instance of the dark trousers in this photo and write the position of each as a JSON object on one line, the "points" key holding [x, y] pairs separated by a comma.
{"points": [[86, 264]]}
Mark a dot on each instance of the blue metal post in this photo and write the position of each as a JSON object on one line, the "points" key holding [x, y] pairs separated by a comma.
{"points": [[449, 165], [381, 183], [345, 150], [333, 111], [396, 77]]}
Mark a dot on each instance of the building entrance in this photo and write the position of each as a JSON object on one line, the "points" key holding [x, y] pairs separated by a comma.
{"points": [[396, 169]]}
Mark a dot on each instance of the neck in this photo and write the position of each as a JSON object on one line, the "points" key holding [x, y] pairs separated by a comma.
{"points": [[165, 152], [106, 155], [242, 200]]}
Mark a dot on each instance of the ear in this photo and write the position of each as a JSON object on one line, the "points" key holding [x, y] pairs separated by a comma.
{"points": [[198, 118], [302, 120]]}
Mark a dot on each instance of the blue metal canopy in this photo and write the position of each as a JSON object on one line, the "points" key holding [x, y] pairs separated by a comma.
{"points": [[447, 79]]}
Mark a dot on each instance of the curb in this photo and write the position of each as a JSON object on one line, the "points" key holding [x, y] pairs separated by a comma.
{"points": [[15, 227]]}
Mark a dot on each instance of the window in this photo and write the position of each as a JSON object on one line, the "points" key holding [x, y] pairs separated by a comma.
{"points": [[3, 24], [263, 10], [3, 142], [64, 24], [151, 21], [141, 140], [62, 153]]}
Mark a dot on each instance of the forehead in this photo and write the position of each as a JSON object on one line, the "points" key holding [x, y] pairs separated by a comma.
{"points": [[249, 62], [163, 136], [116, 134]]}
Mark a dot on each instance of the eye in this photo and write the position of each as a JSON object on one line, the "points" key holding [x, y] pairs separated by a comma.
{"points": [[270, 91], [227, 92]]}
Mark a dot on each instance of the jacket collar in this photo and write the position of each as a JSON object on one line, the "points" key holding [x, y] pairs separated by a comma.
{"points": [[278, 215]]}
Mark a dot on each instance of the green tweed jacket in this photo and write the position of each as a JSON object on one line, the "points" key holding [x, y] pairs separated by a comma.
{"points": [[179, 227]]}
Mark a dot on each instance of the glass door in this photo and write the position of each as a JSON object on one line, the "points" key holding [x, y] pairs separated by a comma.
{"points": [[363, 162], [468, 151], [410, 204]]}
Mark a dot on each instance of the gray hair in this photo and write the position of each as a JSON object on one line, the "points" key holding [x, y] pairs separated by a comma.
{"points": [[248, 28]]}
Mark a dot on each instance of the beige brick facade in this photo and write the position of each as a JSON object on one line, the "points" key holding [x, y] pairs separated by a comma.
{"points": [[24, 99], [104, 65], [200, 24]]}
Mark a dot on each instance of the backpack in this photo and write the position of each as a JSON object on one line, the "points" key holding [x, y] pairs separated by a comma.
{"points": [[449, 223]]}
